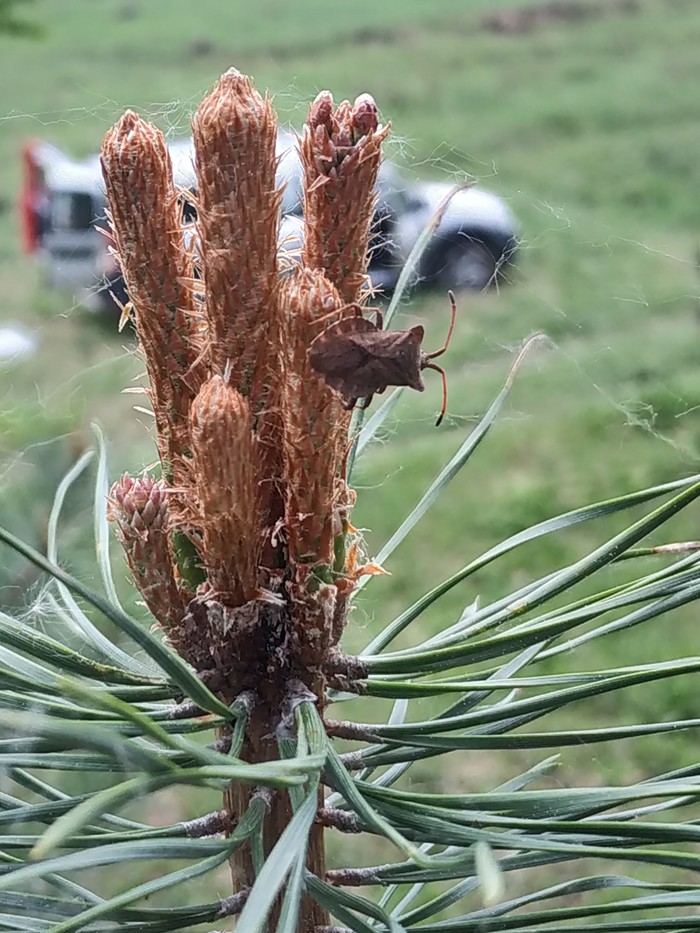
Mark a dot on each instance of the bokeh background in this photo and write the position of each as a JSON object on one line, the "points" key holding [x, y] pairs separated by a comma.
{"points": [[583, 114]]}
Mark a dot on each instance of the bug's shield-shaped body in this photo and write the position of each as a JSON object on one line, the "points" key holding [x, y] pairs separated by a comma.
{"points": [[357, 359]]}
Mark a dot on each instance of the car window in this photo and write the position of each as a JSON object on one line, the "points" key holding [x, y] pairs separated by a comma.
{"points": [[72, 210], [291, 197], [289, 174], [189, 211]]}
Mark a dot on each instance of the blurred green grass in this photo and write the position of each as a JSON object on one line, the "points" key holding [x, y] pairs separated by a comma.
{"points": [[589, 129]]}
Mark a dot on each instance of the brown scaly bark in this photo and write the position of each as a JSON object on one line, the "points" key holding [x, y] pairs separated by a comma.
{"points": [[243, 550]]}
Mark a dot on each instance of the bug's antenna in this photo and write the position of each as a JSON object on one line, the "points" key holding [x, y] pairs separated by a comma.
{"points": [[453, 302], [439, 369]]}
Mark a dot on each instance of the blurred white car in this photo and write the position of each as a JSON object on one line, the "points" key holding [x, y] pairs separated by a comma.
{"points": [[63, 203]]}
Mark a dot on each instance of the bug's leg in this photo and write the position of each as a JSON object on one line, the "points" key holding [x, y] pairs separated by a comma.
{"points": [[439, 369], [378, 318], [366, 402], [349, 403], [344, 311], [326, 321], [436, 353]]}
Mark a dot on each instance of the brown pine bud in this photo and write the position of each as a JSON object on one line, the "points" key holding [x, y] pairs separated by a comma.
{"points": [[146, 222], [315, 422], [139, 508], [340, 153], [225, 460], [235, 135], [321, 112], [365, 116]]}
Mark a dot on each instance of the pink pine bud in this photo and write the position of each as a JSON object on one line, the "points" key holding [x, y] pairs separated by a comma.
{"points": [[365, 115]]}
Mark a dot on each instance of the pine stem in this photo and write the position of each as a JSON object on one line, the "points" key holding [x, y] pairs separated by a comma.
{"points": [[260, 745]]}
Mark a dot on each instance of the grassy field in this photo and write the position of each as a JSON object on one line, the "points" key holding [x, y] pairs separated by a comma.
{"points": [[589, 127]]}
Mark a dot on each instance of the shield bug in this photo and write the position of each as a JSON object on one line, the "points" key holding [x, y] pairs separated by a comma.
{"points": [[358, 359]]}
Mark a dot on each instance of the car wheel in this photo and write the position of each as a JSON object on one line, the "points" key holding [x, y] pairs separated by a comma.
{"points": [[467, 264]]}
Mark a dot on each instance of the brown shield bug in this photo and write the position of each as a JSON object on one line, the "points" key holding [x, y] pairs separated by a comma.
{"points": [[358, 359]]}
